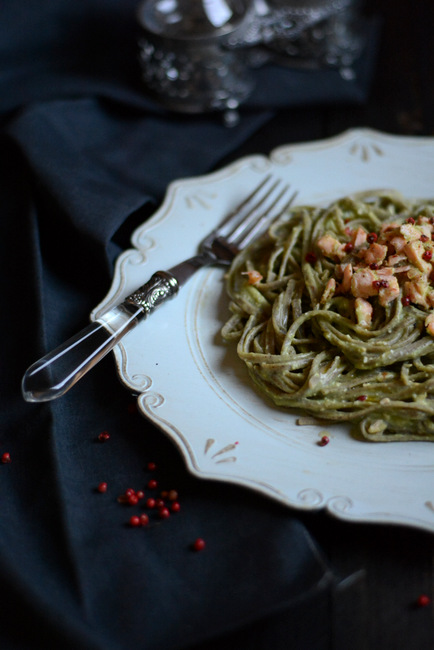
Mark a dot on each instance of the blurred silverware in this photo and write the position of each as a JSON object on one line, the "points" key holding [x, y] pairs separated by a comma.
{"points": [[198, 55]]}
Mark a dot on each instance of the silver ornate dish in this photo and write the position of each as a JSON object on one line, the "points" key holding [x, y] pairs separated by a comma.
{"points": [[197, 56]]}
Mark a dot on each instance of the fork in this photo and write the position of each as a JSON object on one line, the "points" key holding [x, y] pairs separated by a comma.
{"points": [[54, 374]]}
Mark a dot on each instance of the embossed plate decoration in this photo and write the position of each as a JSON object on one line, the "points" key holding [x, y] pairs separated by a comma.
{"points": [[193, 387]]}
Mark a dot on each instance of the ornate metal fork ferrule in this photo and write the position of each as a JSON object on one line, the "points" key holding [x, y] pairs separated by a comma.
{"points": [[160, 286]]}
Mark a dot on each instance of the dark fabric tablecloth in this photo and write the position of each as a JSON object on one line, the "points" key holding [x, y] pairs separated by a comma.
{"points": [[85, 157]]}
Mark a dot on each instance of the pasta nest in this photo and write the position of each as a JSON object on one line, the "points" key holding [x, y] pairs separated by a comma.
{"points": [[299, 324]]}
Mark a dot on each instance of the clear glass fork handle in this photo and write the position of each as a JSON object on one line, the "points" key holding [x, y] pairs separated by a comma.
{"points": [[54, 374]]}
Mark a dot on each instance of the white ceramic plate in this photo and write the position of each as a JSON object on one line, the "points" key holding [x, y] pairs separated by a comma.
{"points": [[194, 388]]}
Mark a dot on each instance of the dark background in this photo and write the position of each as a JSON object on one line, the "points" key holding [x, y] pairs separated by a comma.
{"points": [[85, 156]]}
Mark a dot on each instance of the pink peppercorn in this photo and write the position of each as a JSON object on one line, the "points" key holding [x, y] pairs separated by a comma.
{"points": [[102, 487], [134, 521], [199, 544], [380, 284], [423, 600], [6, 457], [310, 258]]}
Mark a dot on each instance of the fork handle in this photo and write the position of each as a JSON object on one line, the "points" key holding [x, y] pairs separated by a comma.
{"points": [[54, 374]]}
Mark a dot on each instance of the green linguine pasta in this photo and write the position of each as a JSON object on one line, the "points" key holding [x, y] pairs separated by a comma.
{"points": [[333, 313]]}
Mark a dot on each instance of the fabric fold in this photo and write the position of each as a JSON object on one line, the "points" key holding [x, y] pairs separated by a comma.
{"points": [[86, 157]]}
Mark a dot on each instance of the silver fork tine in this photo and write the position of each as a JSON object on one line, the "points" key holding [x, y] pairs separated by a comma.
{"points": [[249, 217], [238, 213], [258, 221], [244, 221]]}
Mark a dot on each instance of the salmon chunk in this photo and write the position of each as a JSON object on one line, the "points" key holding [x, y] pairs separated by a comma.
{"points": [[416, 291], [331, 247], [415, 251], [362, 283], [364, 312], [375, 254], [390, 292], [429, 323]]}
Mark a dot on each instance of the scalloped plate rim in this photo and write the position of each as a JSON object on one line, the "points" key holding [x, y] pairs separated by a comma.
{"points": [[337, 505]]}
